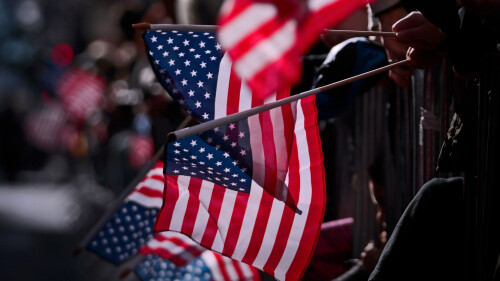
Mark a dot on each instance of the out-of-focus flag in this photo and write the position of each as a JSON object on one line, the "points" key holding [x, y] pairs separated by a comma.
{"points": [[266, 38], [168, 255], [209, 266], [81, 93], [252, 190], [131, 227]]}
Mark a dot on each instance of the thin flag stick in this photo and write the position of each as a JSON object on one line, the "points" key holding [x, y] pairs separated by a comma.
{"points": [[202, 127], [130, 187], [132, 265], [212, 28]]}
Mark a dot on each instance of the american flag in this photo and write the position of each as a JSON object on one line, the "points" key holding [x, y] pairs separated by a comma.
{"points": [[266, 38], [209, 266], [130, 232], [237, 188], [81, 93]]}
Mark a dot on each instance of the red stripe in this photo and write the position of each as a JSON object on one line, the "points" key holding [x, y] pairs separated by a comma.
{"points": [[171, 195], [192, 206], [236, 266], [214, 211], [318, 197], [233, 95], [234, 229], [149, 192], [222, 267]]}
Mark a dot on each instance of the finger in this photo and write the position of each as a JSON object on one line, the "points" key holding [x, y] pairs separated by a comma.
{"points": [[412, 20]]}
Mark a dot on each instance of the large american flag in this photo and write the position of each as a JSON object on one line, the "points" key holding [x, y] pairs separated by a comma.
{"points": [[168, 254], [266, 38], [252, 190]]}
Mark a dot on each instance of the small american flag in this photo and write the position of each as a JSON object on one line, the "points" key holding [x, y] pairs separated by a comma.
{"points": [[209, 266], [237, 188], [168, 254], [266, 38]]}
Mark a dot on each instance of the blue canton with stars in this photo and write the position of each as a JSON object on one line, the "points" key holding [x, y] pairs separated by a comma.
{"points": [[187, 65], [158, 269], [130, 228]]}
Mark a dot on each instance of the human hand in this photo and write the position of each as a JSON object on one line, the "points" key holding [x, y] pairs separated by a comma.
{"points": [[370, 257], [422, 58], [394, 49], [417, 32]]}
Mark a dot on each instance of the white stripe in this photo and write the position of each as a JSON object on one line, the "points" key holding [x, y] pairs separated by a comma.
{"points": [[267, 51], [245, 97], [270, 235], [248, 223], [231, 271], [315, 5], [153, 184], [180, 204], [145, 201], [304, 197], [212, 264], [280, 145], [171, 248], [245, 23], [226, 212], [258, 158], [222, 87], [202, 216], [246, 270]]}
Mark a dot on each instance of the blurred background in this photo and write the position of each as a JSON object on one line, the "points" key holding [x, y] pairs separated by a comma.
{"points": [[80, 114]]}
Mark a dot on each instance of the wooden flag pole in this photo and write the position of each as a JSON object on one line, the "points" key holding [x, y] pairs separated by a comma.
{"points": [[212, 28], [202, 127], [130, 187]]}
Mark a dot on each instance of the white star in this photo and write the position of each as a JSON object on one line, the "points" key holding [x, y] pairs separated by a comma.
{"points": [[185, 168], [217, 147], [159, 47], [176, 171], [175, 90], [209, 75], [201, 163], [157, 61], [195, 35], [209, 140], [233, 184], [244, 170], [208, 52], [186, 42], [165, 54], [242, 189], [226, 178], [191, 50], [227, 170], [200, 84], [185, 150], [181, 54], [205, 115], [207, 95], [193, 173], [176, 144], [243, 152], [202, 44], [235, 162], [213, 58], [168, 80], [193, 157], [191, 93], [242, 134], [187, 63], [206, 33], [197, 56], [153, 39], [203, 64], [170, 40], [225, 137], [202, 150], [198, 104], [151, 53], [210, 156], [231, 126], [184, 82], [193, 142], [181, 101], [171, 62], [178, 72], [233, 144], [177, 151], [243, 180], [175, 48], [218, 46], [235, 175], [193, 73], [216, 129], [218, 163], [226, 154]]}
